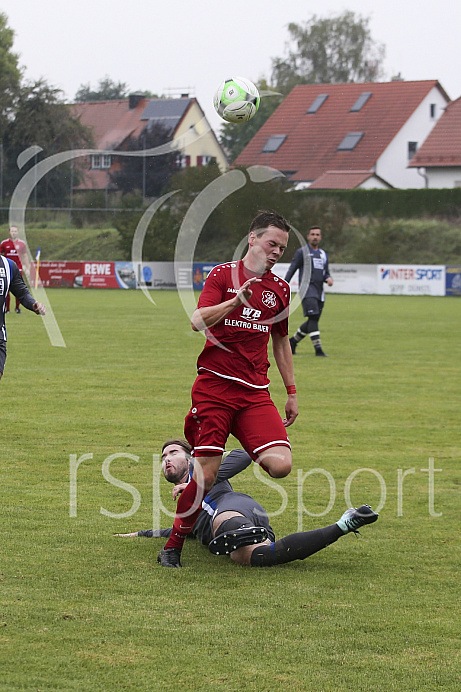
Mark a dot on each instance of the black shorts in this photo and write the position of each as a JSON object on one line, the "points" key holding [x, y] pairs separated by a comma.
{"points": [[312, 307], [2, 355], [246, 505]]}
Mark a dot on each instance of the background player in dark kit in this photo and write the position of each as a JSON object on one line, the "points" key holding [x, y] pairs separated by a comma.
{"points": [[242, 304], [235, 524], [314, 299]]}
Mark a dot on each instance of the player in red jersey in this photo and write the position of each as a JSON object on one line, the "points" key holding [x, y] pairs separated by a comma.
{"points": [[242, 304], [15, 249]]}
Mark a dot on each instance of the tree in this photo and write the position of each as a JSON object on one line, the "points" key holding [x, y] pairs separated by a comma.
{"points": [[235, 136], [145, 174], [10, 73], [42, 118], [107, 90], [329, 50]]}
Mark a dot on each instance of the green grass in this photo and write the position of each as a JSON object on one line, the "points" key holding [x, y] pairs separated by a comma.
{"points": [[82, 610]]}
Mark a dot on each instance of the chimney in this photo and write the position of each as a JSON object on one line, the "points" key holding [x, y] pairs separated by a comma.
{"points": [[134, 99]]}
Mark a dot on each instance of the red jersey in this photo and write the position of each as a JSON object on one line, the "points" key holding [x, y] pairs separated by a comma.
{"points": [[14, 250], [236, 348]]}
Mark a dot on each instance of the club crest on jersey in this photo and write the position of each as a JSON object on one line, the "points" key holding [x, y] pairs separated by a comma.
{"points": [[269, 299]]}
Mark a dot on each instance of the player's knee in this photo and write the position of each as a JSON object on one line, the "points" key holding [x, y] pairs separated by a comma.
{"points": [[281, 469], [277, 461]]}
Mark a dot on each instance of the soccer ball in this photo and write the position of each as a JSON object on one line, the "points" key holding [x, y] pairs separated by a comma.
{"points": [[236, 100]]}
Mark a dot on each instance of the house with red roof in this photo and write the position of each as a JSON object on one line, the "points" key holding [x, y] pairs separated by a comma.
{"points": [[345, 136], [114, 122], [439, 158]]}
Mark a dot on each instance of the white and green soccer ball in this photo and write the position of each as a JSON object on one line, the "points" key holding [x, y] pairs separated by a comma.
{"points": [[236, 100]]}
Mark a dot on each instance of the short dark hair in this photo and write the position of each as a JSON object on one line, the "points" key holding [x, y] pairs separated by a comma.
{"points": [[314, 228], [267, 217], [181, 443]]}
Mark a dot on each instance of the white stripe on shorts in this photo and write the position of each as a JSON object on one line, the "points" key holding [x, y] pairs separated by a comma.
{"points": [[272, 444]]}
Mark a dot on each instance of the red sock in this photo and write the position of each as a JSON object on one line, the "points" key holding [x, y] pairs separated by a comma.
{"points": [[187, 511]]}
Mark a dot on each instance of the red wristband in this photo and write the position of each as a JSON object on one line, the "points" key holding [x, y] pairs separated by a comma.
{"points": [[291, 389]]}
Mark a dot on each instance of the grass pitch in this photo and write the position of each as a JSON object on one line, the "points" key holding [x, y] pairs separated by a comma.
{"points": [[82, 610]]}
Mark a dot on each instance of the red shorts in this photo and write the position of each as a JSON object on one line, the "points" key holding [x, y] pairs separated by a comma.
{"points": [[222, 407]]}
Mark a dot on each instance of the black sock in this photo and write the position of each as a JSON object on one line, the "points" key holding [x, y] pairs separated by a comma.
{"points": [[315, 338], [296, 546]]}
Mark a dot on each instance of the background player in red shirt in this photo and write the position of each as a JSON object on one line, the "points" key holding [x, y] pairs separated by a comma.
{"points": [[15, 249], [242, 304]]}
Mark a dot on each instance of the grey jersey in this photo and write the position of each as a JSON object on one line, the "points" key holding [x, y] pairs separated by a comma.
{"points": [[320, 272]]}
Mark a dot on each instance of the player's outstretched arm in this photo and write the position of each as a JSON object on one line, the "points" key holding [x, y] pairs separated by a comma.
{"points": [[150, 533]]}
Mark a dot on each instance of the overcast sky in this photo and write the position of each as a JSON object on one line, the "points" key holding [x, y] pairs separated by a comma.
{"points": [[181, 45]]}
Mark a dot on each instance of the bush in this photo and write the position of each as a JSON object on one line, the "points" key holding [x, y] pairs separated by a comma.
{"points": [[444, 203]]}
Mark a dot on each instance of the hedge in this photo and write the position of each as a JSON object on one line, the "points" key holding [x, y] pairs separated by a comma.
{"points": [[396, 203]]}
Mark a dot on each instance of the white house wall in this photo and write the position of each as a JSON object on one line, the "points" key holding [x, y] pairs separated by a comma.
{"points": [[392, 164], [446, 177]]}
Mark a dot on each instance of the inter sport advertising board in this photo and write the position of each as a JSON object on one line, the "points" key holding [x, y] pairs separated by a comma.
{"points": [[411, 279]]}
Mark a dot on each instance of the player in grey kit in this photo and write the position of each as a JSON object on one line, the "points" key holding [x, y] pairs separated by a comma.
{"points": [[11, 280], [234, 524], [314, 298]]}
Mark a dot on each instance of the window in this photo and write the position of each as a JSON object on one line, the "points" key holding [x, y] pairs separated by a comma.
{"points": [[183, 160], [361, 101], [315, 105], [205, 159], [412, 147], [432, 110], [273, 143], [99, 161], [350, 141]]}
